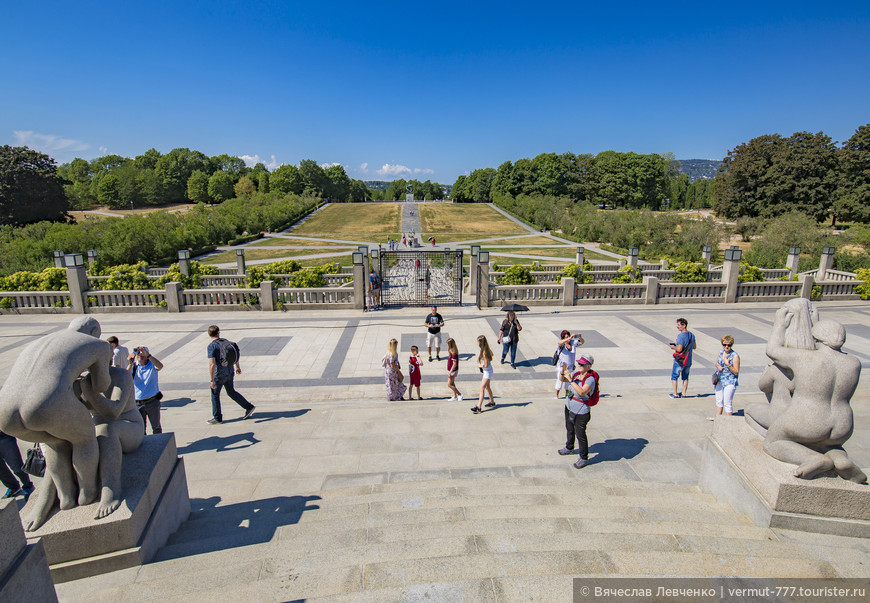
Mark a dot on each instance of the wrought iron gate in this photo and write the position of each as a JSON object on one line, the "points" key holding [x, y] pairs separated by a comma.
{"points": [[421, 278]]}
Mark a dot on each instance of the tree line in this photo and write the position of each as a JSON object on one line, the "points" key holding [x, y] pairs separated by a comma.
{"points": [[772, 175], [626, 180]]}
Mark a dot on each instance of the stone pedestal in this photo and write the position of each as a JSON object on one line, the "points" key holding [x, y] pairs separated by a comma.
{"points": [[736, 470], [155, 505], [24, 574]]}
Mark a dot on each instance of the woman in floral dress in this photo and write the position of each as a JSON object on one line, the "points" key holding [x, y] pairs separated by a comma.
{"points": [[393, 373]]}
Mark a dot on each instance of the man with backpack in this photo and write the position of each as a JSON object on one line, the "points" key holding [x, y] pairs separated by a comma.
{"points": [[582, 395], [223, 355]]}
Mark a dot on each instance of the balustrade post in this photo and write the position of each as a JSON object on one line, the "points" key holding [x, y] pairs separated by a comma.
{"points": [[359, 282], [579, 259], [268, 296], [633, 253], [240, 262], [483, 279], [731, 274], [568, 292], [472, 269], [826, 262], [806, 286], [794, 253], [174, 302], [664, 264], [651, 290], [77, 281], [184, 261]]}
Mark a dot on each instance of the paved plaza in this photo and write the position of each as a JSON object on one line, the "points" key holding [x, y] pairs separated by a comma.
{"points": [[329, 491]]}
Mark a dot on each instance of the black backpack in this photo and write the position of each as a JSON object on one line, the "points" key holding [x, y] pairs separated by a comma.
{"points": [[228, 352]]}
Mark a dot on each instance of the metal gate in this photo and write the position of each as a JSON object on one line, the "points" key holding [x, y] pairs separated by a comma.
{"points": [[421, 278]]}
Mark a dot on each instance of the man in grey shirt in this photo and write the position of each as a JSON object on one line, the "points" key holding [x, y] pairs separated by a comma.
{"points": [[577, 415]]}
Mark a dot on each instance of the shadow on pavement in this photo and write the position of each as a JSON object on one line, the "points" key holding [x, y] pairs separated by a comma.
{"points": [[221, 443], [616, 449], [176, 402], [215, 528], [263, 416]]}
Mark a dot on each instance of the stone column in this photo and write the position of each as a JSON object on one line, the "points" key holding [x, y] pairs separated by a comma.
{"points": [[174, 301], [707, 255], [359, 283], [664, 264], [806, 286], [240, 262], [622, 262], [77, 281], [568, 292], [579, 259], [794, 254], [268, 296], [826, 262], [731, 274], [472, 269], [184, 261], [483, 286], [651, 293]]}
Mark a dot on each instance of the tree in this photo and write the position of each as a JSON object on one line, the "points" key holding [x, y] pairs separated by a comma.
{"points": [[220, 186], [228, 163], [30, 189], [286, 179], [738, 185], [175, 168], [359, 192], [197, 187], [314, 180], [147, 160], [245, 188], [853, 196], [337, 183], [107, 191]]}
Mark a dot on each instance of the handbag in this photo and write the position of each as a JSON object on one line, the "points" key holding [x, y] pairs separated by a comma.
{"points": [[400, 376], [715, 377], [556, 355], [34, 464]]}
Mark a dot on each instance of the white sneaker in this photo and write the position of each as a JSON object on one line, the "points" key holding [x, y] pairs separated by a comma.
{"points": [[556, 398], [452, 400], [459, 399]]}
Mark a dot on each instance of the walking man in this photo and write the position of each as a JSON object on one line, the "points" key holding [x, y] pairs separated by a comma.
{"points": [[434, 322], [223, 355], [683, 347], [11, 466]]}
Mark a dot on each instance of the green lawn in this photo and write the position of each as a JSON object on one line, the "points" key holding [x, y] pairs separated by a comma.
{"points": [[266, 254]]}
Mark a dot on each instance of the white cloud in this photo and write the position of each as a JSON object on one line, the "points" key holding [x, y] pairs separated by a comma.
{"points": [[393, 170], [47, 143], [103, 150], [423, 171], [328, 165], [364, 168], [252, 160]]}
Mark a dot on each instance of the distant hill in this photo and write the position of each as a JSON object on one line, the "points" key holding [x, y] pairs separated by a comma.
{"points": [[696, 169]]}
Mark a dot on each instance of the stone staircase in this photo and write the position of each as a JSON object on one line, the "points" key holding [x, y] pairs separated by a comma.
{"points": [[475, 538]]}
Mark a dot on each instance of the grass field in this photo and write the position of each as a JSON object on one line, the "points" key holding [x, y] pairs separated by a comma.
{"points": [[370, 218], [464, 217], [523, 241], [295, 242], [122, 212], [266, 254]]}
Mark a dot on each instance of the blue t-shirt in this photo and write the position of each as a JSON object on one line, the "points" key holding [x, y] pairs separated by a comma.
{"points": [[687, 340], [145, 380]]}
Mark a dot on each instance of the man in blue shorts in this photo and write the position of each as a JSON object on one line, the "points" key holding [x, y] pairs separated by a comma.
{"points": [[685, 344]]}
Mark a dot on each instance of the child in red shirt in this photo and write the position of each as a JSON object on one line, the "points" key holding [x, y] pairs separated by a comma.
{"points": [[414, 372]]}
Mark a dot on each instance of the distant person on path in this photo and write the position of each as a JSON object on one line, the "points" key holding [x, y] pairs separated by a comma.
{"points": [[484, 363], [568, 345], [428, 279], [10, 466], [414, 364], [584, 385], [683, 348], [404, 240], [509, 337], [377, 284], [146, 386], [223, 357], [728, 365], [453, 369], [434, 322], [393, 373], [119, 352]]}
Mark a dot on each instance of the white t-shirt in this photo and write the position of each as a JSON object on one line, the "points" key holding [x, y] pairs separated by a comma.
{"points": [[567, 355], [119, 356]]}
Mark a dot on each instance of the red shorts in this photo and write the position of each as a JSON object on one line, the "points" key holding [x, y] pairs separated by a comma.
{"points": [[415, 379]]}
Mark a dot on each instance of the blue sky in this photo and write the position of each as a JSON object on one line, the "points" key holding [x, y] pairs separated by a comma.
{"points": [[427, 90]]}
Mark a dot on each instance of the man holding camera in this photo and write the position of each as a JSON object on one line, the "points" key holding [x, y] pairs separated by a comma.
{"points": [[143, 366]]}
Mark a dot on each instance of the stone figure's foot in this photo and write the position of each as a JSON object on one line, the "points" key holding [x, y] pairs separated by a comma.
{"points": [[844, 466], [87, 496], [36, 518], [813, 467], [853, 474], [109, 503]]}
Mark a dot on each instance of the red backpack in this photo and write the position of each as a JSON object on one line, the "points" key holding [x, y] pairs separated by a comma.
{"points": [[593, 397]]}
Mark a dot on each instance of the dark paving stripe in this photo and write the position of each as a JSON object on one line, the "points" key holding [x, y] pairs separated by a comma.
{"points": [[336, 361], [740, 337], [592, 339], [180, 343], [27, 340], [262, 346], [697, 360]]}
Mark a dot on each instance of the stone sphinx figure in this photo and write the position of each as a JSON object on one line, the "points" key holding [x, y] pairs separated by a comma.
{"points": [[808, 386], [42, 401]]}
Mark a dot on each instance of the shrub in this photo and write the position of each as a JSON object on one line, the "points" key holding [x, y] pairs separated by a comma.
{"points": [[174, 274], [267, 272], [751, 274], [572, 270], [690, 272], [623, 275], [863, 290], [50, 279], [6, 303], [123, 277], [517, 275]]}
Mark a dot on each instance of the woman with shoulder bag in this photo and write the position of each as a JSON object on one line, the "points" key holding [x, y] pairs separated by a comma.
{"points": [[393, 373], [568, 345], [509, 337], [728, 365]]}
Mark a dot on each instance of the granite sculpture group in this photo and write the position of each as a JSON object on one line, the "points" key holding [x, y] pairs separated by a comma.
{"points": [[62, 393]]}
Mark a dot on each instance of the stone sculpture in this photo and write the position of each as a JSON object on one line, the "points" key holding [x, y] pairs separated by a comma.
{"points": [[808, 386], [49, 396]]}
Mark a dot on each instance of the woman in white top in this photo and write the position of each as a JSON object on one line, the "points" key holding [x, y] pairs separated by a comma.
{"points": [[484, 362], [568, 345]]}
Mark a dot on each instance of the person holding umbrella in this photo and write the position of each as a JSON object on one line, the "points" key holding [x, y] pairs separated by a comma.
{"points": [[509, 334]]}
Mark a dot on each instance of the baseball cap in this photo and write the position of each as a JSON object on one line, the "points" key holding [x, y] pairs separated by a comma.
{"points": [[586, 359]]}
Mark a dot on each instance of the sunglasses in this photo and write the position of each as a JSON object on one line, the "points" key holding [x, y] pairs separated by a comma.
{"points": [[726, 345]]}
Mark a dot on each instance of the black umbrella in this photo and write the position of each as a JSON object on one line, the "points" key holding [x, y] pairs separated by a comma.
{"points": [[514, 308]]}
